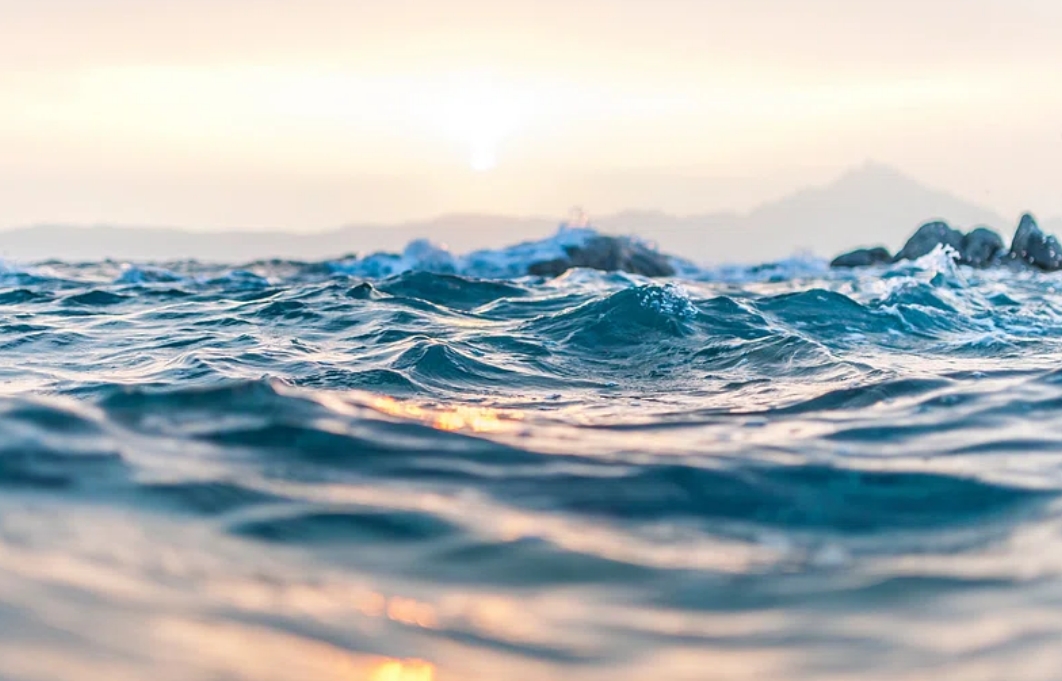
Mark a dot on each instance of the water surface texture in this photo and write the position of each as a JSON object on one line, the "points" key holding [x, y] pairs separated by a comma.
{"points": [[366, 470]]}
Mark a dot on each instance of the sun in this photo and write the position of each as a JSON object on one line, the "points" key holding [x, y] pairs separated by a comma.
{"points": [[481, 112], [483, 155]]}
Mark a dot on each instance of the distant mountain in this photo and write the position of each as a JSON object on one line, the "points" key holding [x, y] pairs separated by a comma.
{"points": [[459, 232], [870, 205]]}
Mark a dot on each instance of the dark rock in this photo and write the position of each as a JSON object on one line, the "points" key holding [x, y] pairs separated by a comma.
{"points": [[610, 254], [363, 291], [550, 268], [927, 238], [1032, 246], [981, 247], [863, 257]]}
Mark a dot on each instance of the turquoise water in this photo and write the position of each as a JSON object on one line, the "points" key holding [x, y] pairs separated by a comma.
{"points": [[364, 470]]}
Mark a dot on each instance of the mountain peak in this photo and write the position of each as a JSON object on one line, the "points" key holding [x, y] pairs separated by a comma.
{"points": [[872, 175]]}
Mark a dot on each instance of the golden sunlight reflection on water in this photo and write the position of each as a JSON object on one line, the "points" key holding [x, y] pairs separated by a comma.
{"points": [[407, 670], [475, 419]]}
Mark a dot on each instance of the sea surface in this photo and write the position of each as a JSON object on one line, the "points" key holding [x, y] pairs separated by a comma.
{"points": [[424, 467]]}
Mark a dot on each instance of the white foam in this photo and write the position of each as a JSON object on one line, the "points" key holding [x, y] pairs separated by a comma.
{"points": [[942, 260], [8, 269], [144, 274], [797, 267], [505, 263], [670, 299], [513, 261]]}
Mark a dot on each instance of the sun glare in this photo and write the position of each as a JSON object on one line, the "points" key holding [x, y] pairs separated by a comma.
{"points": [[401, 118], [481, 112], [484, 156]]}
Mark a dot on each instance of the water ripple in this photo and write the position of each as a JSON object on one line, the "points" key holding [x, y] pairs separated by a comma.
{"points": [[363, 470]]}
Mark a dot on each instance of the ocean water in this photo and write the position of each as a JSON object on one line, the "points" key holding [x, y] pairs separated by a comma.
{"points": [[424, 467]]}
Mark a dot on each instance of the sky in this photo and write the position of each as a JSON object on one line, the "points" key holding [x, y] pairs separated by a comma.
{"points": [[244, 114]]}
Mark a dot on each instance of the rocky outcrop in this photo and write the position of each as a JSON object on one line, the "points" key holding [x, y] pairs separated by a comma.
{"points": [[1032, 246], [610, 254], [863, 257], [927, 238], [982, 247]]}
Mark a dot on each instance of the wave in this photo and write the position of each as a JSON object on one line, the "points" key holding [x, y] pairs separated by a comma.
{"points": [[397, 466], [329, 436]]}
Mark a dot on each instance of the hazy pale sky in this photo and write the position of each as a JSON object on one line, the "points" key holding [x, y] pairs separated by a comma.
{"points": [[306, 115]]}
